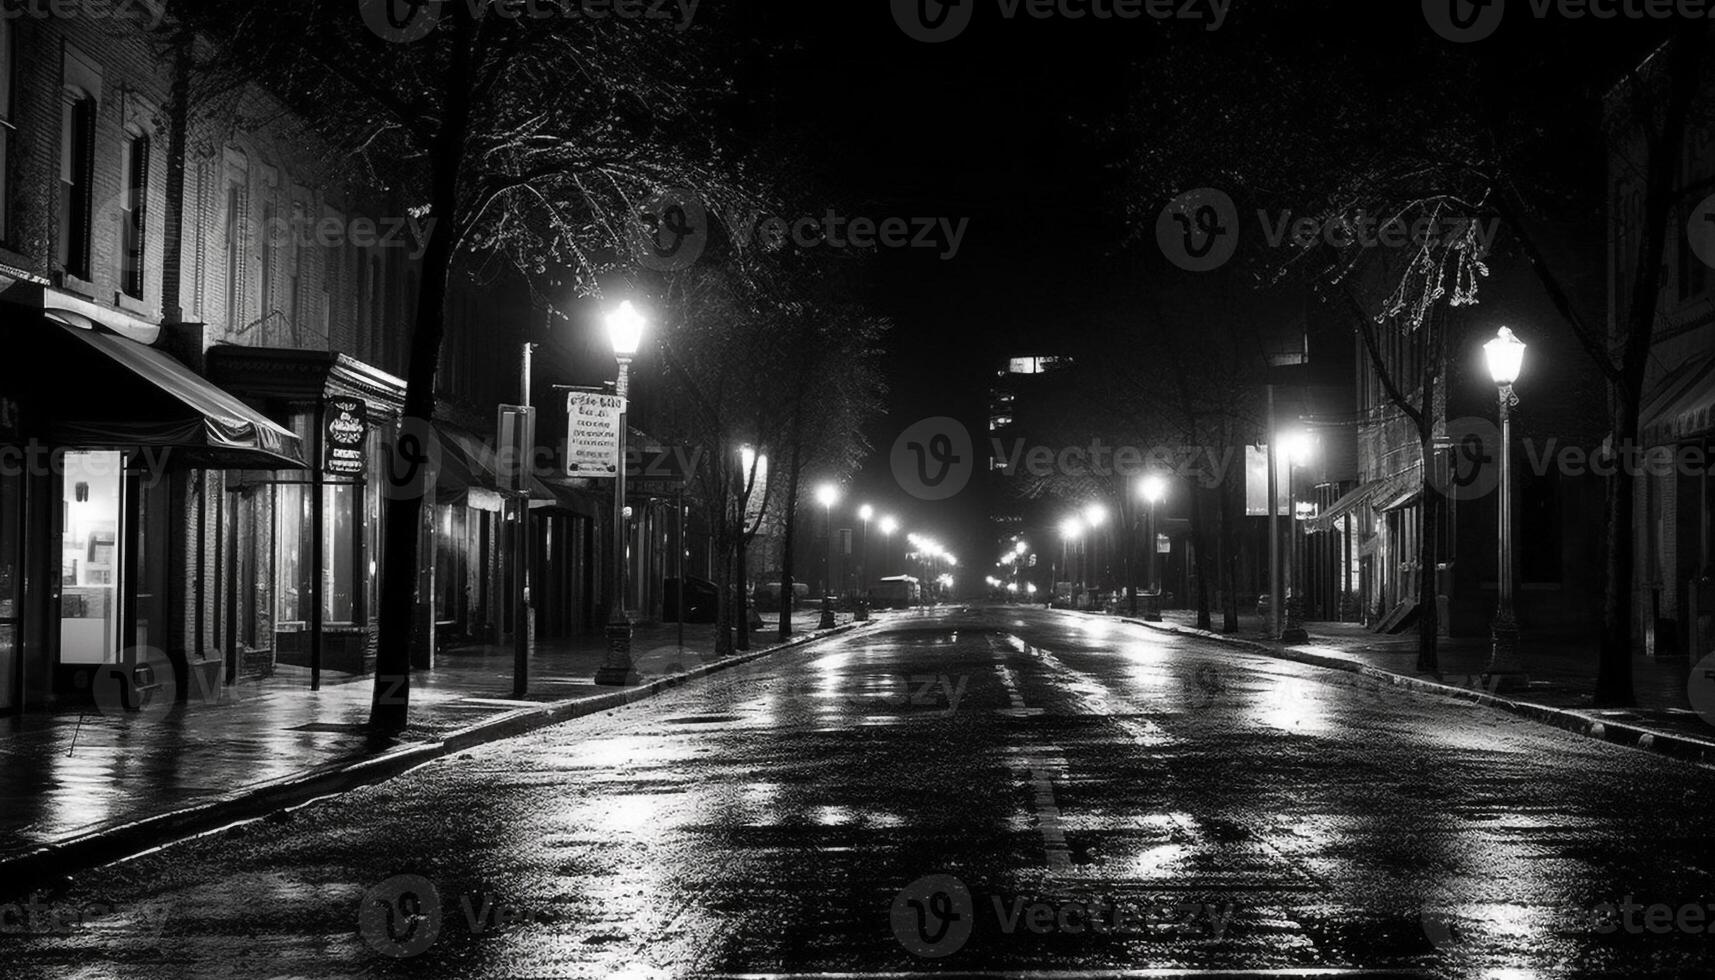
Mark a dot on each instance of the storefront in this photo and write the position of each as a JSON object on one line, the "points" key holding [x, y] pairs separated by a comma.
{"points": [[1676, 497], [303, 551], [106, 440]]}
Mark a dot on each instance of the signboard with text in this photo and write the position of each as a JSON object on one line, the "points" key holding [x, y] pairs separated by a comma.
{"points": [[592, 433], [346, 437]]}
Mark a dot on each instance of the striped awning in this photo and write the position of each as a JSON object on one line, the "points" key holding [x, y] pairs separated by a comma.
{"points": [[1371, 493]]}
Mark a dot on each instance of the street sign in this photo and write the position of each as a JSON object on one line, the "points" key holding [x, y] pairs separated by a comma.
{"points": [[592, 433]]}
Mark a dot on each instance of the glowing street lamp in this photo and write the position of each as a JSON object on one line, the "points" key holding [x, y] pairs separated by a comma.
{"points": [[625, 332], [1505, 355]]}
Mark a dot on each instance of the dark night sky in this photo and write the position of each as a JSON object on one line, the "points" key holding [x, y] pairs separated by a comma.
{"points": [[997, 126]]}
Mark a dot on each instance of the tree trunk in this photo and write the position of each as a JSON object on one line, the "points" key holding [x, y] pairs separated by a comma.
{"points": [[742, 559], [723, 601], [1614, 669], [1229, 558], [1428, 531], [399, 573]]}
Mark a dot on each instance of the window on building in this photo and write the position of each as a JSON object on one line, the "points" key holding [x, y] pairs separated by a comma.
{"points": [[377, 325], [77, 165], [6, 62], [265, 259], [133, 218], [234, 253]]}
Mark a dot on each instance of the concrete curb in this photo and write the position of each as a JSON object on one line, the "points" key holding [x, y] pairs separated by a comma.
{"points": [[1680, 747], [37, 868]]}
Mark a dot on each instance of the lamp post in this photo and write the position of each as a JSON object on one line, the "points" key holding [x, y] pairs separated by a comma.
{"points": [[1505, 355], [864, 514], [625, 330], [1298, 449], [1071, 529], [1154, 490], [1095, 515], [828, 495]]}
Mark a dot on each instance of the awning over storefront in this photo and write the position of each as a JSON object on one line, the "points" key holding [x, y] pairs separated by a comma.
{"points": [[585, 503], [470, 473], [1684, 406], [1385, 494], [103, 391]]}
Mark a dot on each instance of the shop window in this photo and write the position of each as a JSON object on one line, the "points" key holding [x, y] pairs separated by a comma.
{"points": [[77, 164], [89, 557], [133, 218]]}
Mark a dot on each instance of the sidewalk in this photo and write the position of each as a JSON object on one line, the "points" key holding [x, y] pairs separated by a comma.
{"points": [[1562, 671], [70, 778]]}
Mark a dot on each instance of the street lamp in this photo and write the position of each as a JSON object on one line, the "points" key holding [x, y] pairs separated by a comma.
{"points": [[828, 495], [888, 526], [1071, 529], [864, 514], [625, 331], [1505, 355], [1154, 491], [1299, 447]]}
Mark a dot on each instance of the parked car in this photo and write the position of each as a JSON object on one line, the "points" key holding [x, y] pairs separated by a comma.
{"points": [[767, 595], [702, 600], [898, 592]]}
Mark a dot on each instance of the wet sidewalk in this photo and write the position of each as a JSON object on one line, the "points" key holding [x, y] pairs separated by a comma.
{"points": [[1561, 668], [68, 775]]}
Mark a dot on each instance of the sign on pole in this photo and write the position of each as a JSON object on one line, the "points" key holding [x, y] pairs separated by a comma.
{"points": [[517, 428], [592, 433]]}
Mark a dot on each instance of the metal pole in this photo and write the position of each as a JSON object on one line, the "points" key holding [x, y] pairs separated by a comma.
{"points": [[1275, 597], [521, 556], [316, 556], [679, 562], [1152, 614], [1293, 631], [1506, 669], [618, 669]]}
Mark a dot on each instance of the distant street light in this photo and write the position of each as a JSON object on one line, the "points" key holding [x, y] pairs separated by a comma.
{"points": [[1154, 491], [1505, 355], [625, 332]]}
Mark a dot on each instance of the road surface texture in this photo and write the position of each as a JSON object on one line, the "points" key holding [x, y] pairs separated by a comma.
{"points": [[985, 791]]}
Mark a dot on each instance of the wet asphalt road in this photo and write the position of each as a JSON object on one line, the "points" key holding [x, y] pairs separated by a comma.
{"points": [[967, 791]]}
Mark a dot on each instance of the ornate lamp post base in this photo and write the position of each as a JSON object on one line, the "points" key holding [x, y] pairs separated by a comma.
{"points": [[619, 670], [1152, 607], [1506, 670], [1292, 631]]}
